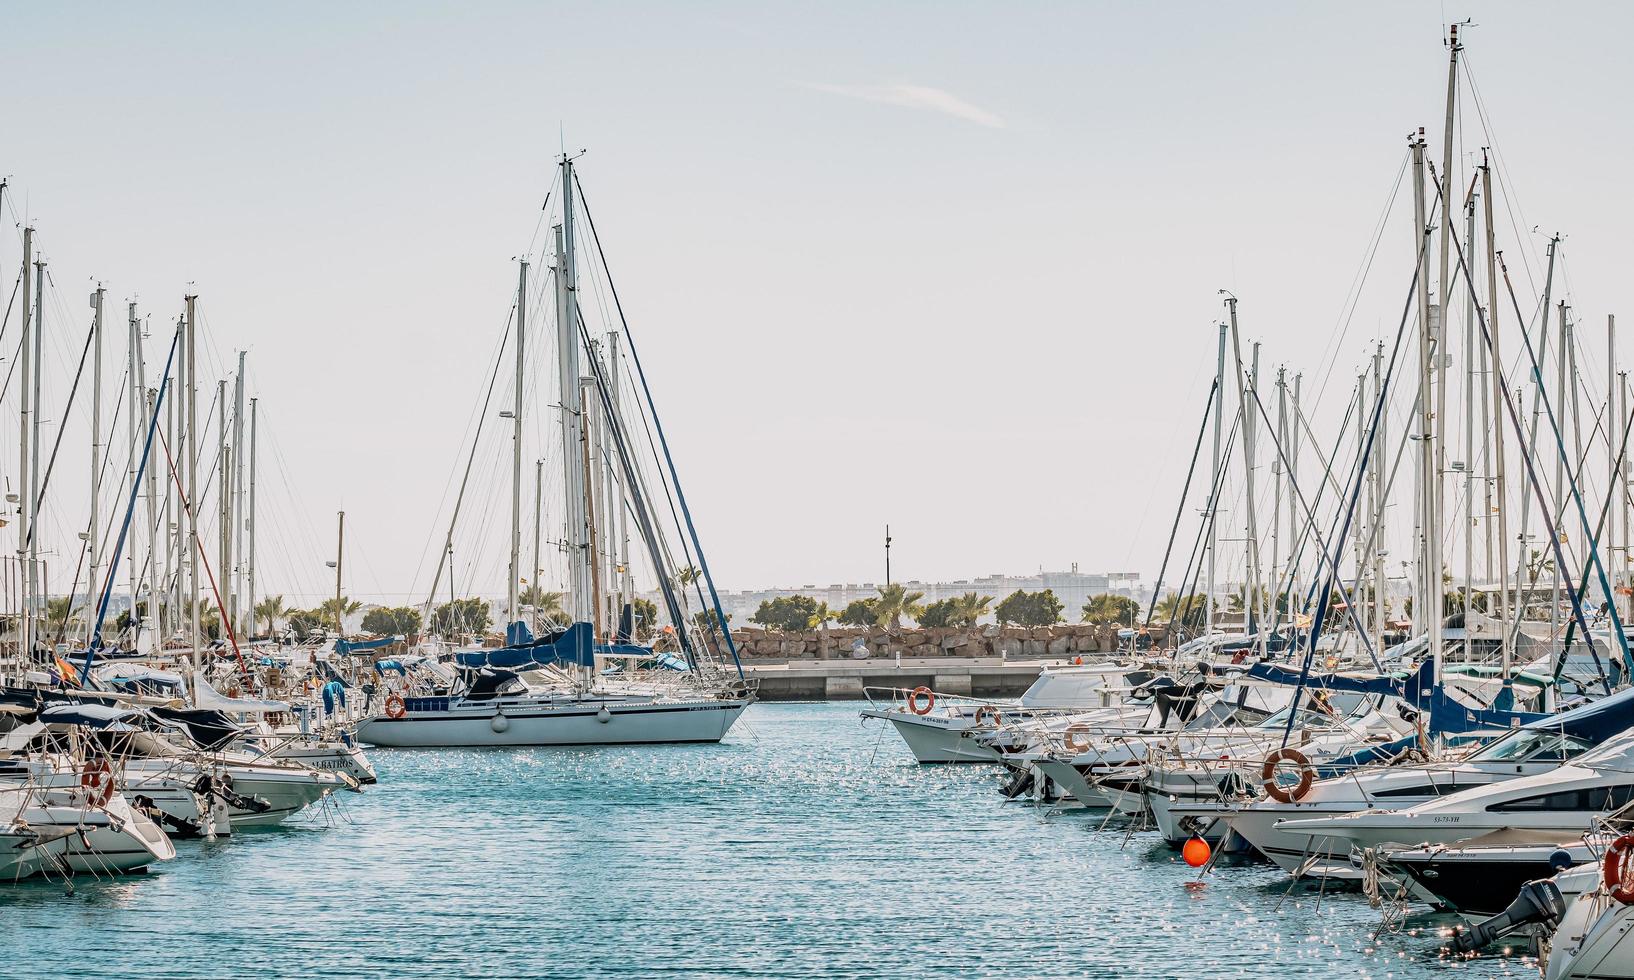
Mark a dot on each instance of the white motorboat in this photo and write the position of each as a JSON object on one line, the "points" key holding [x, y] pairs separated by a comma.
{"points": [[942, 728], [1568, 798]]}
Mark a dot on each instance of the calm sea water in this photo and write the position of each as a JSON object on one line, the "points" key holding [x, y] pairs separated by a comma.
{"points": [[807, 845]]}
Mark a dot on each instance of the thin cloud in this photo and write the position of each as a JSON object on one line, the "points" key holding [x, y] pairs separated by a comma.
{"points": [[921, 97]]}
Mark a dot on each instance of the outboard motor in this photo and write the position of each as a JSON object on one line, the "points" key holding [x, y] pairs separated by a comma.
{"points": [[1539, 902]]}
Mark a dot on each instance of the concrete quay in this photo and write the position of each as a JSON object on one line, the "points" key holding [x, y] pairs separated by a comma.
{"points": [[844, 680]]}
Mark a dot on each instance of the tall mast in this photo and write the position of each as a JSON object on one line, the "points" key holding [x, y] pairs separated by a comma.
{"points": [[1251, 546], [189, 546], [626, 582], [1496, 368], [235, 511], [1612, 510], [567, 352], [38, 589], [1439, 320], [135, 419], [1563, 400], [1276, 497], [340, 562], [1293, 481], [224, 509], [155, 535], [538, 516], [95, 553], [25, 503], [1378, 467], [1429, 542], [1213, 542], [513, 605], [1472, 357], [249, 531]]}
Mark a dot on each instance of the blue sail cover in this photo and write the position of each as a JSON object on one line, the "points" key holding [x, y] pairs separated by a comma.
{"points": [[1594, 722], [572, 646], [1446, 715], [344, 647]]}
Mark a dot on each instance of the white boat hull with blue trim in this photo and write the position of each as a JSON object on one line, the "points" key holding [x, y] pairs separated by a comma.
{"points": [[524, 720]]}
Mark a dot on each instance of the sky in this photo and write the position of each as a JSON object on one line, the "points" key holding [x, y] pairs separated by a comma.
{"points": [[953, 267]]}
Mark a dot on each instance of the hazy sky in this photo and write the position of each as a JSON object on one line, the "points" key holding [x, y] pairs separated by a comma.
{"points": [[948, 266]]}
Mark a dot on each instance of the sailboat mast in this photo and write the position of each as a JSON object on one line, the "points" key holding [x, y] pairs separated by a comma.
{"points": [[1495, 366], [1472, 357], [567, 352], [224, 509], [1213, 542], [38, 589], [25, 502], [155, 535], [235, 534], [95, 552], [249, 530], [134, 428], [188, 547], [1377, 509], [1429, 540], [513, 608], [626, 586], [340, 565]]}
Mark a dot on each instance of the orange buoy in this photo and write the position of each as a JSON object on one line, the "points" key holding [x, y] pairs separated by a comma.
{"points": [[1612, 870], [921, 700], [1196, 852]]}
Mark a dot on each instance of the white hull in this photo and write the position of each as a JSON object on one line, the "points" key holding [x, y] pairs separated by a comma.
{"points": [[935, 740], [566, 722]]}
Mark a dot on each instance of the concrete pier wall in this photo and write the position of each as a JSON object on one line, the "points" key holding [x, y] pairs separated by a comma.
{"points": [[854, 681]]}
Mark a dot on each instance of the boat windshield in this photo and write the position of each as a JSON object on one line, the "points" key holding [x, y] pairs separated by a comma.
{"points": [[1532, 745]]}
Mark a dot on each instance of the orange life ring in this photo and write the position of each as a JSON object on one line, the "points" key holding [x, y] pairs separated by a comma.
{"points": [[97, 781], [987, 713], [1618, 884], [914, 700], [395, 708], [1077, 738], [1268, 775]]}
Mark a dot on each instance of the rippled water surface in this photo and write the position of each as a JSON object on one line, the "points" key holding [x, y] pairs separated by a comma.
{"points": [[807, 845]]}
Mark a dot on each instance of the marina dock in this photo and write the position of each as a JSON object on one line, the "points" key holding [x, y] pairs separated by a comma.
{"points": [[845, 680]]}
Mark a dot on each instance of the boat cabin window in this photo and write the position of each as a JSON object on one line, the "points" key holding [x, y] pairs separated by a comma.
{"points": [[1597, 798], [1532, 745]]}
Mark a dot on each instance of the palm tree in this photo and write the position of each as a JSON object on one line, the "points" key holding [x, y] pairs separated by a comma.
{"points": [[272, 610], [347, 608], [894, 602], [969, 608], [687, 576], [546, 605]]}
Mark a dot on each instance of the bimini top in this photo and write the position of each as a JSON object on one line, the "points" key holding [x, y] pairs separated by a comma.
{"points": [[572, 645], [100, 716]]}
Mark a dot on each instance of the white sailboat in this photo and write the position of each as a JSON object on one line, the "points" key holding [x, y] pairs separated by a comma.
{"points": [[550, 691]]}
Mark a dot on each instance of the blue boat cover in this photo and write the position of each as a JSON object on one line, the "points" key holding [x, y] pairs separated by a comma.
{"points": [[382, 666], [1594, 722], [571, 646], [359, 646], [1446, 715]]}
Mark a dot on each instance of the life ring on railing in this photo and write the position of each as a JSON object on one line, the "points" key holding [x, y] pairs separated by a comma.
{"points": [[921, 695], [395, 708], [1618, 884], [97, 781], [987, 713], [1268, 775], [1076, 738]]}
